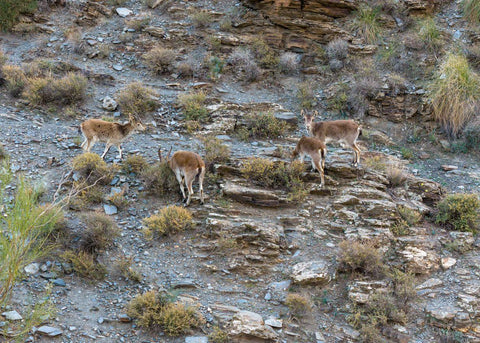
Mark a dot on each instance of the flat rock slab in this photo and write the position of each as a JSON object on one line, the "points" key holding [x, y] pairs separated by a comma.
{"points": [[449, 167], [12, 315], [313, 272], [196, 339], [123, 12], [254, 196], [49, 331]]}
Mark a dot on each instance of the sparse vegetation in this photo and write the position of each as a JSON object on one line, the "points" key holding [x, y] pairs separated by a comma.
{"points": [[99, 233], [159, 179], [261, 125], [15, 79], [193, 105], [396, 176], [85, 264], [156, 310], [124, 267], [411, 217], [363, 88], [28, 227], [11, 9], [218, 336], [459, 212], [288, 63], [169, 220], [245, 63], [377, 163], [215, 151], [201, 19], [471, 10], [455, 94], [305, 95], [367, 23], [264, 54], [160, 60], [429, 34], [136, 100], [361, 257], [298, 304], [472, 136]]}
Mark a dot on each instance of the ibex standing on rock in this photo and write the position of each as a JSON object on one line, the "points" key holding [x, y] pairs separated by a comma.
{"points": [[341, 131], [317, 151], [186, 165], [97, 130]]}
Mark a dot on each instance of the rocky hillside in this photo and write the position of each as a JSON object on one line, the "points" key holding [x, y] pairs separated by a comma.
{"points": [[385, 252]]}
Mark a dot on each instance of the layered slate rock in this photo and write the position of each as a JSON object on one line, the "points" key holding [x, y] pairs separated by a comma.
{"points": [[313, 272]]}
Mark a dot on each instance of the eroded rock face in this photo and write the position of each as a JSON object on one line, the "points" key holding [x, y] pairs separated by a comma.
{"points": [[251, 195], [420, 261], [361, 291]]}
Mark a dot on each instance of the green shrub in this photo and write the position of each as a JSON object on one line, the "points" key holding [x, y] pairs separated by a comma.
{"points": [[459, 212], [471, 10], [455, 92], [135, 100], [193, 105], [3, 154], [262, 125], [410, 216], [306, 96], [135, 164], [87, 195], [67, 90], [160, 60], [360, 257], [265, 55], [11, 9], [472, 136], [171, 219], [218, 336], [298, 304], [155, 310], [272, 174], [367, 23], [92, 168], [201, 19], [99, 233], [159, 179]]}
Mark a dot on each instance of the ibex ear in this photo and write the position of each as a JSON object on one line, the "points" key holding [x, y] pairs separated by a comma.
{"points": [[168, 156], [302, 112]]}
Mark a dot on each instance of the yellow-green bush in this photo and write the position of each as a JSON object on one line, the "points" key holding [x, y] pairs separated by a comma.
{"points": [[460, 212], [160, 60], [262, 125], [15, 79], [298, 304], [215, 151], [84, 264], [92, 168], [218, 336], [272, 174], [367, 23], [193, 105], [410, 216], [455, 92], [429, 34], [67, 90], [156, 310], [135, 164], [135, 100], [359, 257], [171, 219]]}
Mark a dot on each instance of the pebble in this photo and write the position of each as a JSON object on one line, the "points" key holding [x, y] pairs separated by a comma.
{"points": [[196, 339], [274, 323], [32, 268], [110, 209], [123, 12], [124, 318], [117, 67], [59, 282], [449, 167]]}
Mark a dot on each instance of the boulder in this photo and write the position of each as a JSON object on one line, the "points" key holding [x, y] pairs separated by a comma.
{"points": [[313, 272], [420, 261], [361, 291], [253, 196], [246, 324]]}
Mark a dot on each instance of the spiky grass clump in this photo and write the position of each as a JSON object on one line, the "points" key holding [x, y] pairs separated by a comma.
{"points": [[262, 125], [460, 212], [396, 176], [215, 151], [135, 100], [471, 10], [85, 264], [430, 34], [171, 219], [272, 174], [367, 23], [455, 94], [15, 79], [245, 65], [92, 168], [156, 310], [135, 164]]}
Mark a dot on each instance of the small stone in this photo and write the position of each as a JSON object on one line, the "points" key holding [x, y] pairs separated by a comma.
{"points": [[186, 283], [100, 320], [117, 67], [109, 104], [448, 167], [49, 331], [313, 272], [124, 318], [430, 283], [110, 209], [32, 268], [274, 323], [447, 262], [12, 315], [123, 12], [268, 296], [49, 275], [445, 144], [319, 337], [59, 282], [91, 42], [196, 339]]}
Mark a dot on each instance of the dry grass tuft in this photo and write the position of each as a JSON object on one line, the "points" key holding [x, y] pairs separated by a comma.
{"points": [[15, 78], [361, 257], [92, 168], [289, 63], [160, 60], [215, 151], [193, 105], [396, 176], [367, 23], [245, 65], [135, 100], [84, 264], [471, 10], [135, 164], [100, 232], [298, 304], [159, 179], [455, 94]]}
